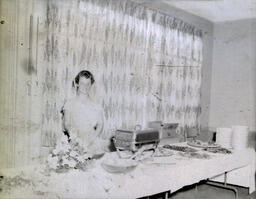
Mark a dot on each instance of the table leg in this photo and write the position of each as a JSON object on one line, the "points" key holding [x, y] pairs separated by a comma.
{"points": [[166, 195], [225, 179], [225, 186]]}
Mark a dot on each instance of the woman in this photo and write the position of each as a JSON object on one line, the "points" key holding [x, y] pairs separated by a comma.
{"points": [[82, 117]]}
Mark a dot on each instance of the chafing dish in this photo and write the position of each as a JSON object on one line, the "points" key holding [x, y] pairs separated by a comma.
{"points": [[133, 140], [167, 130]]}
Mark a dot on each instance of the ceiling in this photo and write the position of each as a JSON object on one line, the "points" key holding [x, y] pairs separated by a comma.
{"points": [[214, 10]]}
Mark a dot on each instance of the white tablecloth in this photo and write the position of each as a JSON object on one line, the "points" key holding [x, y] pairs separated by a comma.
{"points": [[147, 179]]}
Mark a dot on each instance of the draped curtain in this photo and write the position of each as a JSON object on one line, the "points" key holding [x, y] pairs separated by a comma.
{"points": [[147, 65]]}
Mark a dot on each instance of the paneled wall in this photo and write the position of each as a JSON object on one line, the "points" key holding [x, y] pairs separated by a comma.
{"points": [[130, 50]]}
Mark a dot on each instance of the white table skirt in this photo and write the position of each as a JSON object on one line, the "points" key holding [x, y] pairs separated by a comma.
{"points": [[147, 179]]}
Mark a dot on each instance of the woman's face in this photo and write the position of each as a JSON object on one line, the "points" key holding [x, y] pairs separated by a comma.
{"points": [[84, 85]]}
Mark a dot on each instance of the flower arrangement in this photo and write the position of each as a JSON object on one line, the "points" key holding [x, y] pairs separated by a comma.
{"points": [[69, 155]]}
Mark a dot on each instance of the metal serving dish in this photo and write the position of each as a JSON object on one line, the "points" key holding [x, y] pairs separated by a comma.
{"points": [[167, 130], [134, 140]]}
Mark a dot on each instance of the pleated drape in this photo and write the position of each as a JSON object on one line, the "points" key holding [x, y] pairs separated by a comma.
{"points": [[147, 65]]}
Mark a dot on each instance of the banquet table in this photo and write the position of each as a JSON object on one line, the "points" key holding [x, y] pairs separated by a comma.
{"points": [[150, 177]]}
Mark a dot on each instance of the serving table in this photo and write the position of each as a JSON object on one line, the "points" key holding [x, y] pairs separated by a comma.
{"points": [[148, 178]]}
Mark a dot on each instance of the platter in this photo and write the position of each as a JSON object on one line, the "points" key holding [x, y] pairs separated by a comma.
{"points": [[114, 164], [119, 167], [180, 148], [201, 144], [163, 152], [218, 150]]}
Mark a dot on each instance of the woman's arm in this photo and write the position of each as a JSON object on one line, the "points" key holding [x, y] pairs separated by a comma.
{"points": [[67, 121], [67, 126]]}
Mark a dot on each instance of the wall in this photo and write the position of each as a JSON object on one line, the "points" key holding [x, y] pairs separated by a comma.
{"points": [[42, 42], [20, 123], [233, 91]]}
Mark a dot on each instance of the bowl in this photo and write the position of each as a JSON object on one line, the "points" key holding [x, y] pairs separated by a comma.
{"points": [[119, 165]]}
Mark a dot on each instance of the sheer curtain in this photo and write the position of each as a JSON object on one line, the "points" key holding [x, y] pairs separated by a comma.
{"points": [[147, 65]]}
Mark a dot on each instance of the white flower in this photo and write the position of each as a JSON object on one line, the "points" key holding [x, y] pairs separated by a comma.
{"points": [[73, 136], [65, 148], [71, 163], [78, 141], [65, 161], [73, 154], [57, 149], [53, 162], [83, 158], [63, 140], [80, 158], [86, 156]]}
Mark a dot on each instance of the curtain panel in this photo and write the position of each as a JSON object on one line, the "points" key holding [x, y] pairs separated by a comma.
{"points": [[147, 65]]}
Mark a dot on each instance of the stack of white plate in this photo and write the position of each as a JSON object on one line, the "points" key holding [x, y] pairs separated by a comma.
{"points": [[240, 137], [224, 137]]}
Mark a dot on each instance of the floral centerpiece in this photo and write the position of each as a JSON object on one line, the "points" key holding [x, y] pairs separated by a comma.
{"points": [[69, 154]]}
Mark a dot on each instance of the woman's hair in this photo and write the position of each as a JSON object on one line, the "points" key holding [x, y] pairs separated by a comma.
{"points": [[84, 73]]}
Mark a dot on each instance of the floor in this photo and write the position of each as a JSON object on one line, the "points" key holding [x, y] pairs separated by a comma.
{"points": [[207, 192]]}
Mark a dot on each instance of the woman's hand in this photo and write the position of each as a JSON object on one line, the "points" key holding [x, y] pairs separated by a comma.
{"points": [[99, 126]]}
